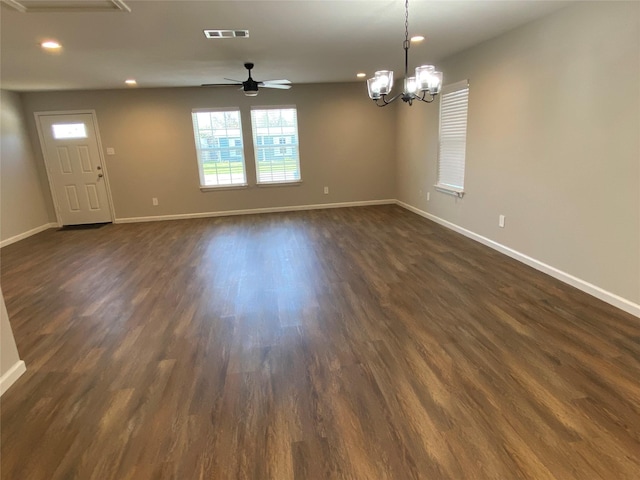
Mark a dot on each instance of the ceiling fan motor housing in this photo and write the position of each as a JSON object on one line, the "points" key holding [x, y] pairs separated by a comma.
{"points": [[250, 87]]}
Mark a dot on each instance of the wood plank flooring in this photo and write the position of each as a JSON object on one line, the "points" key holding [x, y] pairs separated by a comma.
{"points": [[360, 343]]}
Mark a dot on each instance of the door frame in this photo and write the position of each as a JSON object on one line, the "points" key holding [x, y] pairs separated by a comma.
{"points": [[94, 120]]}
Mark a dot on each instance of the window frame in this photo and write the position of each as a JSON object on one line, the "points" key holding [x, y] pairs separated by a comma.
{"points": [[234, 144], [279, 149], [449, 184]]}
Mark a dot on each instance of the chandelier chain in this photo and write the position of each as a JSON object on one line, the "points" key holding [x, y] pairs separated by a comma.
{"points": [[405, 45], [406, 20]]}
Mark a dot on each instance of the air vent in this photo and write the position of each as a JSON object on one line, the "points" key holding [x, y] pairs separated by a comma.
{"points": [[53, 6], [226, 33]]}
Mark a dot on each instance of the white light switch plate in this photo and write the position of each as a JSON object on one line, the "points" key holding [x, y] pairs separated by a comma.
{"points": [[111, 151]]}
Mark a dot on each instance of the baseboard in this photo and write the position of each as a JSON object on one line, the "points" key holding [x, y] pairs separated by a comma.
{"points": [[28, 234], [608, 297], [12, 375], [226, 213]]}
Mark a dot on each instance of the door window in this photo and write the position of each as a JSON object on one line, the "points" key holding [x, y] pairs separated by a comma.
{"points": [[63, 131]]}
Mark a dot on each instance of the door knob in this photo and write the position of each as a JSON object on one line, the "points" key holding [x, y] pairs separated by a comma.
{"points": [[100, 175], [99, 167]]}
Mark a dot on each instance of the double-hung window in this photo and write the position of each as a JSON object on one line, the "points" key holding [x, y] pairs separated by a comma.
{"points": [[218, 136], [453, 137], [275, 142]]}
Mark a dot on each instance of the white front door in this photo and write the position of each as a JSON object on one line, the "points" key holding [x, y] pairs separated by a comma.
{"points": [[72, 156]]}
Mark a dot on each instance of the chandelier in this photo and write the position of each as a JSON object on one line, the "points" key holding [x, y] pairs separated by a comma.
{"points": [[424, 86]]}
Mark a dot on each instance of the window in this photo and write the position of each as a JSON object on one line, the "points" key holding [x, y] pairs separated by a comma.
{"points": [[275, 141], [453, 137], [63, 131], [218, 135]]}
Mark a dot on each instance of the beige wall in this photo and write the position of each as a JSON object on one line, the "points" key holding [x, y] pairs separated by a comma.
{"points": [[152, 134], [25, 202], [553, 144]]}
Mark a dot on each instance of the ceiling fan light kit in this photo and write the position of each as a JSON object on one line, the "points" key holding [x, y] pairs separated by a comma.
{"points": [[423, 86]]}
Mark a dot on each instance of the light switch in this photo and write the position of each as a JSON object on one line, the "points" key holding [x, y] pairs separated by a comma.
{"points": [[111, 151]]}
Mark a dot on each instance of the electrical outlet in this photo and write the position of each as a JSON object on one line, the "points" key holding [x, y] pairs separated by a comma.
{"points": [[501, 221], [154, 201], [428, 196], [111, 151], [326, 190]]}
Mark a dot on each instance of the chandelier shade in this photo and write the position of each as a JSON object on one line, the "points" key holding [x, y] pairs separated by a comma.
{"points": [[423, 86]]}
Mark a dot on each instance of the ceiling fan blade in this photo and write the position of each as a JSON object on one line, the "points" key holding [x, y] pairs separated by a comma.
{"points": [[233, 80], [275, 85], [280, 81], [220, 84]]}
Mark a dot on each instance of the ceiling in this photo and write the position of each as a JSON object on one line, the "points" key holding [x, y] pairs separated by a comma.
{"points": [[161, 43]]}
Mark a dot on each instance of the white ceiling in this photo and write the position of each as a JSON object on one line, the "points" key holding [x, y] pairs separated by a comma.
{"points": [[161, 43]]}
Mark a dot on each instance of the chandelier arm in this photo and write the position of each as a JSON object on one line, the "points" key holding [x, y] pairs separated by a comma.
{"points": [[386, 102], [424, 97], [430, 100]]}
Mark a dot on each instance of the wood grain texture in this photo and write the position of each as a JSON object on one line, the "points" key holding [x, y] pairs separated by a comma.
{"points": [[358, 343]]}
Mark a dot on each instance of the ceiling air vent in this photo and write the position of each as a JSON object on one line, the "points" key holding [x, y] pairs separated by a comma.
{"points": [[53, 6], [226, 33]]}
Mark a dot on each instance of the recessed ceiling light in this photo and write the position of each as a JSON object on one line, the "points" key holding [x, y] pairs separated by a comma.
{"points": [[130, 81], [417, 38], [361, 75], [50, 45]]}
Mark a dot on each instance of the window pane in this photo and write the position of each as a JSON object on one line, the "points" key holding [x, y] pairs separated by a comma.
{"points": [[275, 140], [218, 136], [69, 130]]}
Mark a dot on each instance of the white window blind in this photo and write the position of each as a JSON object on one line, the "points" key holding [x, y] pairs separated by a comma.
{"points": [[453, 137], [275, 142], [218, 136]]}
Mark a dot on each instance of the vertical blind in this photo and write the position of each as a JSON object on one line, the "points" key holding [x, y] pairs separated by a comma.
{"points": [[453, 136], [275, 141]]}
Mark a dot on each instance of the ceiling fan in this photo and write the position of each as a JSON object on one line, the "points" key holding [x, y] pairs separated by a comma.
{"points": [[250, 86]]}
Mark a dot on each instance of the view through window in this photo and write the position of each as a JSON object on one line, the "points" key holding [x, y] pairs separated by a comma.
{"points": [[275, 141], [218, 136]]}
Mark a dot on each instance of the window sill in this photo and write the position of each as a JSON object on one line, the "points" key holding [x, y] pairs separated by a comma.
{"points": [[280, 184], [449, 190], [212, 188]]}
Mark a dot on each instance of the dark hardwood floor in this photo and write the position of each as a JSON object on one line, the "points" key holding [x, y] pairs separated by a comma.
{"points": [[359, 343]]}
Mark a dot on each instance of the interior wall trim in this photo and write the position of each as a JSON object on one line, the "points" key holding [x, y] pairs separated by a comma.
{"points": [[22, 236], [252, 211], [604, 295], [11, 375]]}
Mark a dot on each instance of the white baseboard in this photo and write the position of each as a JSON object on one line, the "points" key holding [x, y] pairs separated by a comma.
{"points": [[24, 235], [252, 211], [608, 297], [12, 375]]}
